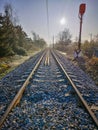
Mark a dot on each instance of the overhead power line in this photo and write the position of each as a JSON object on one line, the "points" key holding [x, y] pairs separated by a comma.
{"points": [[47, 18]]}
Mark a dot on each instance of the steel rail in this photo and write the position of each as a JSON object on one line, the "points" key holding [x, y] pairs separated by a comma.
{"points": [[19, 94], [77, 91], [47, 61]]}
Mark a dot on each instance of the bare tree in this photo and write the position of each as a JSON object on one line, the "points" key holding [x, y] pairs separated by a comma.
{"points": [[35, 36], [64, 37], [11, 14], [8, 10]]}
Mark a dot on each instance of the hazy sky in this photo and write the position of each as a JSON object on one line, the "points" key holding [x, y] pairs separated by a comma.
{"points": [[33, 16]]}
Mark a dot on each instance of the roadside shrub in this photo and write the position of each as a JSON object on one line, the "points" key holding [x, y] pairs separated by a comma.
{"points": [[6, 52], [93, 63], [92, 68], [4, 67], [20, 51]]}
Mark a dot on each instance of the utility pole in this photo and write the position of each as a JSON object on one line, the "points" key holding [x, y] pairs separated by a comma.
{"points": [[81, 12], [53, 42], [47, 10], [90, 37]]}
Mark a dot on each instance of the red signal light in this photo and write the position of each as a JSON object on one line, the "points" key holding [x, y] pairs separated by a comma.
{"points": [[82, 9]]}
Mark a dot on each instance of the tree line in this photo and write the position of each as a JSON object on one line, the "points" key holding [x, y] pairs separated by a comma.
{"points": [[13, 39], [64, 43], [63, 40]]}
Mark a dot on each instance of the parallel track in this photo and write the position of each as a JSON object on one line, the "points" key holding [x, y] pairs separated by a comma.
{"points": [[18, 96], [78, 93]]}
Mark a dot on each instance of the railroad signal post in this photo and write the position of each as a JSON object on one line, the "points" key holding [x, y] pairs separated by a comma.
{"points": [[82, 9]]}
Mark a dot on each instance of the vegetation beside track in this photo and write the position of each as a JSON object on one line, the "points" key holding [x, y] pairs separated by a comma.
{"points": [[15, 45], [92, 69], [89, 59], [87, 64], [9, 63], [90, 66]]}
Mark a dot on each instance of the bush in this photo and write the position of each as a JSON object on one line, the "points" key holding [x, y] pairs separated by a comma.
{"points": [[5, 51], [4, 67], [20, 51], [89, 48], [93, 63], [92, 68]]}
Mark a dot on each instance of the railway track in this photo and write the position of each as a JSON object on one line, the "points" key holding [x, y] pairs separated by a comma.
{"points": [[11, 83], [85, 85], [49, 99]]}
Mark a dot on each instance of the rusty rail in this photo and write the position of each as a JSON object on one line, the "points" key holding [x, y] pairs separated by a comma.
{"points": [[77, 91], [18, 96]]}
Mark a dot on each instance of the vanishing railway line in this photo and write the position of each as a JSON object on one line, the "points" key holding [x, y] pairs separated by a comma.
{"points": [[49, 99], [11, 84]]}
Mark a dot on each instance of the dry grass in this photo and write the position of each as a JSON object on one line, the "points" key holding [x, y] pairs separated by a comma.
{"points": [[90, 66], [7, 64]]}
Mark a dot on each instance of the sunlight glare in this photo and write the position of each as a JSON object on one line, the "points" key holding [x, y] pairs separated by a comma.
{"points": [[63, 21]]}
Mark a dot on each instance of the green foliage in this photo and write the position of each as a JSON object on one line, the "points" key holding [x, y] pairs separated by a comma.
{"points": [[13, 40], [20, 51], [5, 36], [4, 67], [6, 51]]}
